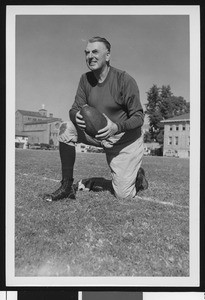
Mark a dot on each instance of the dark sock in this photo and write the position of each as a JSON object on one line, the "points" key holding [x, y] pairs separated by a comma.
{"points": [[67, 156]]}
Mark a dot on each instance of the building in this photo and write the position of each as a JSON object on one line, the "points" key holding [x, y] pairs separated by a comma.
{"points": [[39, 127], [21, 140], [177, 136]]}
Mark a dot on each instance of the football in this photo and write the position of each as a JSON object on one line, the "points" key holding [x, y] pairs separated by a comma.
{"points": [[94, 120]]}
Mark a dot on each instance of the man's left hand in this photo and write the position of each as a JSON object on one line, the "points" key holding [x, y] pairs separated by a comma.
{"points": [[108, 130]]}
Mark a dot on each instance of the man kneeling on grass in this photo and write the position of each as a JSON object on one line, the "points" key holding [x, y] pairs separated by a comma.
{"points": [[114, 93]]}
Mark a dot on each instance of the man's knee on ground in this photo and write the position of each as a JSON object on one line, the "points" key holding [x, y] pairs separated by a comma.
{"points": [[124, 192]]}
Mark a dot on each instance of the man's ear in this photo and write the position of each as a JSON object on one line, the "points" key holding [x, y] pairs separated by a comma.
{"points": [[108, 56]]}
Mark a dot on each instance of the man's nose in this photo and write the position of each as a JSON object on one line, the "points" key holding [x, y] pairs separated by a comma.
{"points": [[90, 55]]}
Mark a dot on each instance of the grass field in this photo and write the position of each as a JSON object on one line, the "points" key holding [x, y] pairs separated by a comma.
{"points": [[96, 234]]}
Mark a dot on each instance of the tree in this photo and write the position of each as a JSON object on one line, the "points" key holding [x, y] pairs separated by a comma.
{"points": [[162, 105], [165, 92], [174, 106], [147, 137], [153, 111], [160, 137]]}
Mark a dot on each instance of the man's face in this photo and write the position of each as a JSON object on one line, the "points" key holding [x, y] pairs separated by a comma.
{"points": [[96, 55]]}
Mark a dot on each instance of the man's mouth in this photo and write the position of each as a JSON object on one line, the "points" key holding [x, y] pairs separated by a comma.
{"points": [[92, 63]]}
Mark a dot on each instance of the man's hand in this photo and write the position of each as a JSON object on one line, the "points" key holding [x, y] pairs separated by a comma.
{"points": [[107, 131], [79, 120]]}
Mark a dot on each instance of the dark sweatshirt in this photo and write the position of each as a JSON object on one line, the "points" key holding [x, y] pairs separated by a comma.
{"points": [[117, 97]]}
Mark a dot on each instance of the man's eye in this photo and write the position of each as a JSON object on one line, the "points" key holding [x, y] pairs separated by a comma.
{"points": [[93, 52]]}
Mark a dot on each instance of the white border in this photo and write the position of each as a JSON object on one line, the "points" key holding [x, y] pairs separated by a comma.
{"points": [[12, 295], [5, 295], [80, 296], [194, 13], [175, 296]]}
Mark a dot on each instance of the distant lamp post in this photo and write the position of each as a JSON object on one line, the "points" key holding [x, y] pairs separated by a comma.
{"points": [[49, 133]]}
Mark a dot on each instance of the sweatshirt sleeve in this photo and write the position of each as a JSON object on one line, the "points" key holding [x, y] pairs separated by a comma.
{"points": [[132, 104], [80, 100]]}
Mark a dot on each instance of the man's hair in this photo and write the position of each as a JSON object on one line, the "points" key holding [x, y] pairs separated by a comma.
{"points": [[102, 40]]}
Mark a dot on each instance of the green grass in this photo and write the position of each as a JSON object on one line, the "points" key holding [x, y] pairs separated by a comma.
{"points": [[96, 234]]}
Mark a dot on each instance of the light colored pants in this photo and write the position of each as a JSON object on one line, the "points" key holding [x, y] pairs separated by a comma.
{"points": [[124, 160]]}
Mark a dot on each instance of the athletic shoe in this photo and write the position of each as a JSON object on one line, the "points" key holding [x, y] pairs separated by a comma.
{"points": [[66, 190], [141, 181]]}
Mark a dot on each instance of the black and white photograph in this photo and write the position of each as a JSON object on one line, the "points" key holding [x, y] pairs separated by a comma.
{"points": [[102, 178]]}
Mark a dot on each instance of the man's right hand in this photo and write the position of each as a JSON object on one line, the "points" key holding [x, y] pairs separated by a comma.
{"points": [[79, 120]]}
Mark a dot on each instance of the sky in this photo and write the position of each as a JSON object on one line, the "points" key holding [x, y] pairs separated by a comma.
{"points": [[50, 59]]}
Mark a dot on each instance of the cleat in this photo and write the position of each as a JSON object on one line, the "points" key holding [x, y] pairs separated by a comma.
{"points": [[141, 182], [66, 190]]}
